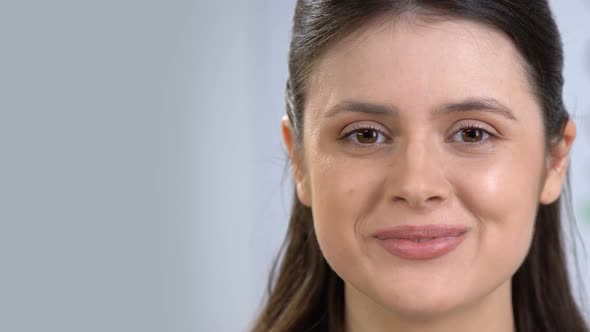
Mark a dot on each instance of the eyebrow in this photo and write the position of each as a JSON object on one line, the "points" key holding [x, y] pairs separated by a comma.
{"points": [[360, 107], [490, 105]]}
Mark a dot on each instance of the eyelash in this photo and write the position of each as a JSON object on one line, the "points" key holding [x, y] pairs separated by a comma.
{"points": [[476, 126], [360, 128], [465, 126]]}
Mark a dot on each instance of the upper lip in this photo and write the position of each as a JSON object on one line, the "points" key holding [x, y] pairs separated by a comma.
{"points": [[415, 232]]}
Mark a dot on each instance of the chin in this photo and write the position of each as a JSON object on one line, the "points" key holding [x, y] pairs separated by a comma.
{"points": [[420, 304], [420, 310]]}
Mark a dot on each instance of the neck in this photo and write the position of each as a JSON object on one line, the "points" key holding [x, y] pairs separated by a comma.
{"points": [[493, 313]]}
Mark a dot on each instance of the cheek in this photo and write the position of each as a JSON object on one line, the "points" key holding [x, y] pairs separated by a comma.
{"points": [[343, 194], [503, 196], [497, 190]]}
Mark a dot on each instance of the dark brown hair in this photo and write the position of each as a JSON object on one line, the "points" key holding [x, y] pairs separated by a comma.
{"points": [[305, 294]]}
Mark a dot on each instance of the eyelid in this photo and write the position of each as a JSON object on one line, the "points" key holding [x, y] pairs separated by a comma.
{"points": [[349, 129], [469, 123], [347, 135]]}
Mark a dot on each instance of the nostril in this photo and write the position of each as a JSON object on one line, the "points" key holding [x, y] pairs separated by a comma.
{"points": [[434, 199], [418, 201], [398, 199]]}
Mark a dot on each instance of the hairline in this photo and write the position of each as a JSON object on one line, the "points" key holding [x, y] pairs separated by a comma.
{"points": [[412, 15]]}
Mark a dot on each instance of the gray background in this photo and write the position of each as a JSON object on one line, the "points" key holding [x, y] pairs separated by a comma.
{"points": [[142, 181]]}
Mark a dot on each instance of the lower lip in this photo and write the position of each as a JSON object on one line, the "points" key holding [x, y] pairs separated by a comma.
{"points": [[409, 249]]}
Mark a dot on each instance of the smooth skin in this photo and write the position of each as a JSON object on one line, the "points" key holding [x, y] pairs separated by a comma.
{"points": [[418, 122]]}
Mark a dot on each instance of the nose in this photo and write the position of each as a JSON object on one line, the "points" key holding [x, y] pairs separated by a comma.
{"points": [[417, 177]]}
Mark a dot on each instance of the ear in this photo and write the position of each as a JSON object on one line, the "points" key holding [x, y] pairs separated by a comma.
{"points": [[297, 169], [557, 165]]}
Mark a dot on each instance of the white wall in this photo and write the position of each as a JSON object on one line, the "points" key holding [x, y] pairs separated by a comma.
{"points": [[572, 19], [141, 163]]}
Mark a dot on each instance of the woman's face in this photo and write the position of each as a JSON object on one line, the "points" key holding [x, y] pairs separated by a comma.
{"points": [[429, 132]]}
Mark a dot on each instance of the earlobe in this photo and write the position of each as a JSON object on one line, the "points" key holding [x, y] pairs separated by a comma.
{"points": [[298, 176], [303, 195], [558, 165]]}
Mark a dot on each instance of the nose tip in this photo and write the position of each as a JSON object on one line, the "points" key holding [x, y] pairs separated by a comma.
{"points": [[419, 199], [418, 178]]}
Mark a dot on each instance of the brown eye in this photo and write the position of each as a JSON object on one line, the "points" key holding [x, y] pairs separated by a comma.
{"points": [[472, 135], [367, 136]]}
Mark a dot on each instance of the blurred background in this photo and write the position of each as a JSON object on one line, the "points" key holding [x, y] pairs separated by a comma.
{"points": [[142, 177]]}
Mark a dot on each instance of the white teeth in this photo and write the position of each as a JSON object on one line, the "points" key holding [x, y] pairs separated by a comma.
{"points": [[423, 240]]}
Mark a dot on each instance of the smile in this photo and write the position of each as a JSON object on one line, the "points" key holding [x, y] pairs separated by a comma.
{"points": [[421, 242]]}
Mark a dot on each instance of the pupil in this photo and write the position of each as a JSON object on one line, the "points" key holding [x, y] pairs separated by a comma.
{"points": [[367, 136], [471, 135]]}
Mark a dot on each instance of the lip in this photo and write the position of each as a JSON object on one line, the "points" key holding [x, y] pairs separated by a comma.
{"points": [[401, 240]]}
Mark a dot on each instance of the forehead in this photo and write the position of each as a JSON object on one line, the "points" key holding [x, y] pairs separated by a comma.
{"points": [[417, 64]]}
